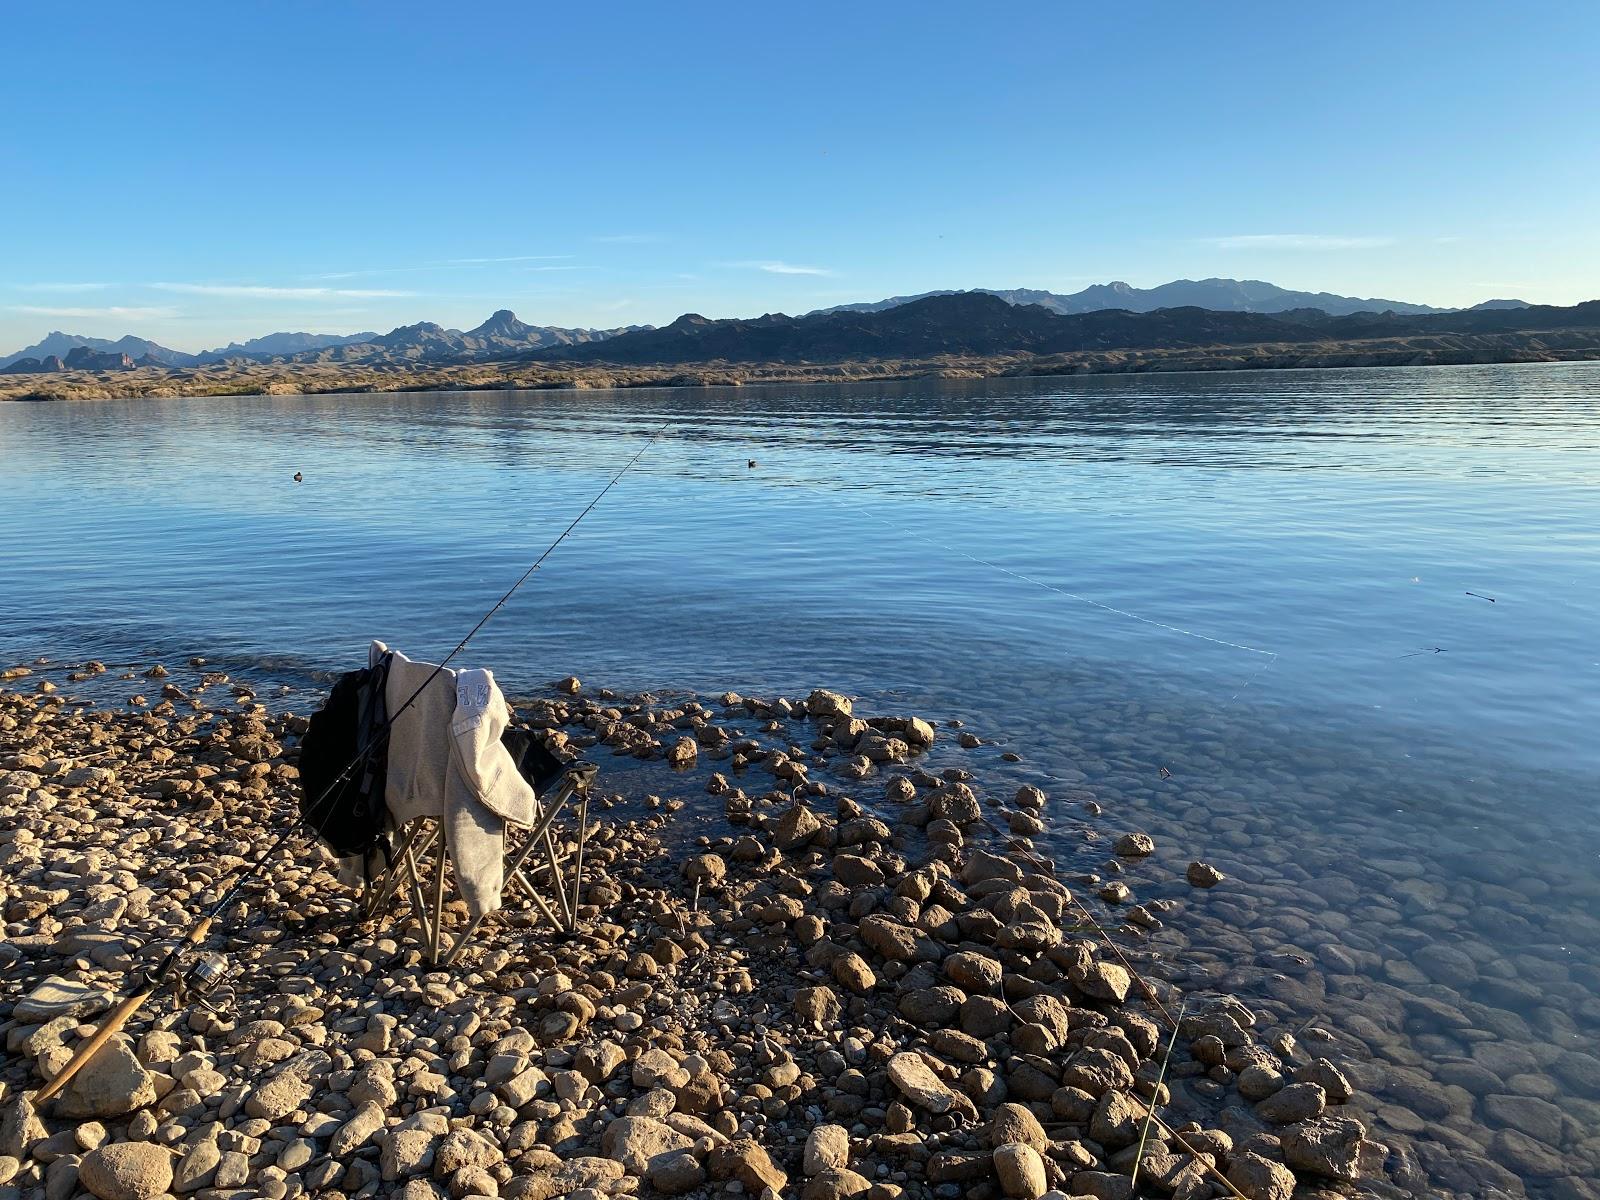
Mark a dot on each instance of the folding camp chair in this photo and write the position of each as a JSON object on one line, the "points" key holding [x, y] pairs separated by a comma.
{"points": [[546, 876]]}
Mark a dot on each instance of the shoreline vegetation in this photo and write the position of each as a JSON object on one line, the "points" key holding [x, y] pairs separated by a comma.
{"points": [[792, 993], [240, 378]]}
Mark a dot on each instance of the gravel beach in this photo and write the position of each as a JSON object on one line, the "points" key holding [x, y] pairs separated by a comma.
{"points": [[816, 956]]}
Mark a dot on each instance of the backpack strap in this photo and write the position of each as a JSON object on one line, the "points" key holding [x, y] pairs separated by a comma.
{"points": [[372, 722]]}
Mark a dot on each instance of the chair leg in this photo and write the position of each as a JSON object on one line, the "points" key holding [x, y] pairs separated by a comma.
{"points": [[583, 840], [558, 883], [539, 836], [533, 894], [438, 902], [419, 902], [394, 877]]}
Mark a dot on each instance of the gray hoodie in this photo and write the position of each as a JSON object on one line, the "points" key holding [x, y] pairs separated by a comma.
{"points": [[446, 761]]}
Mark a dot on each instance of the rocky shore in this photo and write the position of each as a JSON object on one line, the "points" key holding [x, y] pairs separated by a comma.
{"points": [[816, 957], [242, 378]]}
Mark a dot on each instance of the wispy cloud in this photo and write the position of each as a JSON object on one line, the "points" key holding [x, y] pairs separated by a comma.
{"points": [[446, 264], [252, 291], [126, 314], [472, 262], [777, 267], [64, 287], [1297, 241]]}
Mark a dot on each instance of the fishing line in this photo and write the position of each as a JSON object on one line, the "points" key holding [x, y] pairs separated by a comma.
{"points": [[382, 738], [1267, 658], [1270, 657], [1121, 612], [197, 933], [306, 816]]}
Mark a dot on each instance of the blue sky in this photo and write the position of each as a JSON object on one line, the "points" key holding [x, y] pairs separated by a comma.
{"points": [[203, 172]]}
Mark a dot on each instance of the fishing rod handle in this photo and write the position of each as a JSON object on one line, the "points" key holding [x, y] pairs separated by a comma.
{"points": [[112, 1025], [120, 1015]]}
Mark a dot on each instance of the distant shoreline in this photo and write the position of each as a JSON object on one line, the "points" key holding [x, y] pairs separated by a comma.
{"points": [[518, 375]]}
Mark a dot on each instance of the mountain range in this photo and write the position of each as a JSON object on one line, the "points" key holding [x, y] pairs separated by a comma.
{"points": [[59, 345], [503, 335], [1219, 295], [142, 351], [980, 324]]}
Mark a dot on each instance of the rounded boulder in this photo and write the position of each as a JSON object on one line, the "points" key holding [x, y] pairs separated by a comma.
{"points": [[127, 1171]]}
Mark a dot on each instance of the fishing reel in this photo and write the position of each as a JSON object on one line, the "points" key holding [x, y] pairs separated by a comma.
{"points": [[198, 980], [201, 982]]}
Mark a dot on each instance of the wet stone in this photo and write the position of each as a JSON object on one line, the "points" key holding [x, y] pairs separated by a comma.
{"points": [[1293, 1104], [1260, 1178], [1327, 1147], [1134, 845], [1203, 875]]}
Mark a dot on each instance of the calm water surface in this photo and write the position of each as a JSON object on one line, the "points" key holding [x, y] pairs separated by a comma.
{"points": [[1355, 615]]}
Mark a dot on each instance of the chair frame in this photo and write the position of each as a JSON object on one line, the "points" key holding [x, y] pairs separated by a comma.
{"points": [[409, 876]]}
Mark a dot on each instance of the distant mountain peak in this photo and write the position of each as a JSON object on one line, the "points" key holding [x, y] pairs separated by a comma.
{"points": [[502, 322]]}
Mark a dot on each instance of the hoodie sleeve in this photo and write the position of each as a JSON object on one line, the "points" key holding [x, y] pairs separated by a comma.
{"points": [[481, 716]]}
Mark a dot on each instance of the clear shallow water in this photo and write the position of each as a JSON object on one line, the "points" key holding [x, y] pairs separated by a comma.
{"points": [[1239, 578]]}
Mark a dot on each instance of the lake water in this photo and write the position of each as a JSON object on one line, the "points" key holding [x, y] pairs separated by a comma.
{"points": [[1337, 632]]}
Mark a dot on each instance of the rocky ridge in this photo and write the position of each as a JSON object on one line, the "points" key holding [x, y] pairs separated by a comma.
{"points": [[977, 323]]}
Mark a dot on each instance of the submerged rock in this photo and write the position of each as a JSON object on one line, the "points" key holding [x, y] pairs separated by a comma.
{"points": [[1203, 875], [1328, 1147], [1135, 845]]}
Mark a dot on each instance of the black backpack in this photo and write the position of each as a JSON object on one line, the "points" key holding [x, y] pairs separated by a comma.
{"points": [[534, 762], [343, 763]]}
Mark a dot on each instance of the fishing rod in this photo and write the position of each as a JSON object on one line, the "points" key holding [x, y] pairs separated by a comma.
{"points": [[204, 975]]}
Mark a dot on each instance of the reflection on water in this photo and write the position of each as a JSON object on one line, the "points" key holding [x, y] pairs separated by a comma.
{"points": [[1400, 784]]}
